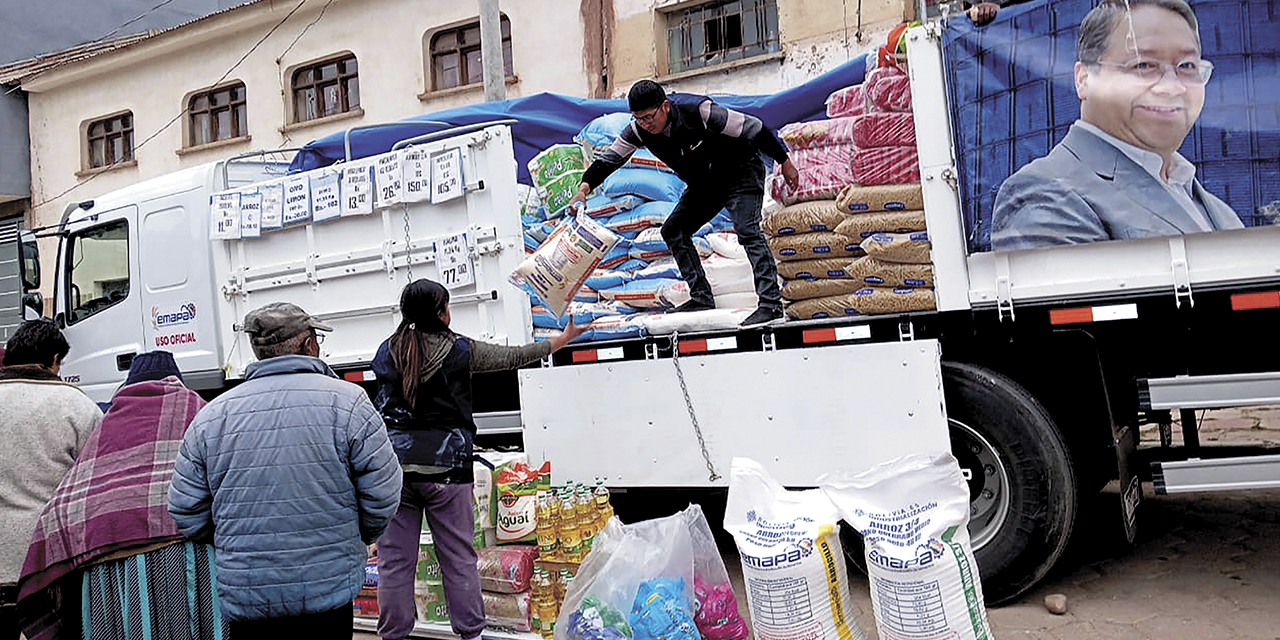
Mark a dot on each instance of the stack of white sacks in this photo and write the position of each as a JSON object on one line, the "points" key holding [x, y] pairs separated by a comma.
{"points": [[637, 281]]}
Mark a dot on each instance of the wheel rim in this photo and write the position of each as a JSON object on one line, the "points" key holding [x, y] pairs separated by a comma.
{"points": [[988, 479]]}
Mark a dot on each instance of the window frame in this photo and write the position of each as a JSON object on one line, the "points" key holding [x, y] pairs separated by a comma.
{"points": [[73, 310], [124, 133], [342, 80], [462, 48], [706, 17], [231, 105]]}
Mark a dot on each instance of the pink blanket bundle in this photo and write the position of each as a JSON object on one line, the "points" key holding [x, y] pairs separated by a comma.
{"points": [[849, 101], [886, 165], [817, 133], [884, 129], [824, 171]]}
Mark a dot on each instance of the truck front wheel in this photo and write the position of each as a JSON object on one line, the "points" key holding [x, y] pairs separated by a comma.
{"points": [[1022, 489]]}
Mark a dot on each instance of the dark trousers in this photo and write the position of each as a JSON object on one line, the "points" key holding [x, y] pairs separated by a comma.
{"points": [[742, 194], [326, 625], [8, 622], [452, 521]]}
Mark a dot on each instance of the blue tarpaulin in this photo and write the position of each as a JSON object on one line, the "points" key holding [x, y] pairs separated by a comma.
{"points": [[545, 119]]}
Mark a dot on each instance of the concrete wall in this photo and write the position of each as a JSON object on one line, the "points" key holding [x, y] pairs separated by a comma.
{"points": [[15, 166], [815, 35]]}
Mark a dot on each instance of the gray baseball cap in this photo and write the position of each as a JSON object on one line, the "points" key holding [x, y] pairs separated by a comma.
{"points": [[279, 321]]}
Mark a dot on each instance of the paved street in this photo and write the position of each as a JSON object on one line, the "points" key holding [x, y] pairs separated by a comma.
{"points": [[1204, 566]]}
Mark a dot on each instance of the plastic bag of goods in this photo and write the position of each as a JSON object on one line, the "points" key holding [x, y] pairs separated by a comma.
{"points": [[890, 92], [651, 293], [517, 487], [817, 133], [884, 129], [849, 101], [603, 207], [792, 562], [913, 514], [508, 610], [886, 165], [562, 263], [556, 161], [506, 569], [823, 173]]}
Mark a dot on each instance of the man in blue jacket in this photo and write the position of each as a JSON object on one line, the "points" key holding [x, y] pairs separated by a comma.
{"points": [[289, 475], [716, 151]]}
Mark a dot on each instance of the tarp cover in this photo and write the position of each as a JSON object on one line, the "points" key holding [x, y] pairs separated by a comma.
{"points": [[545, 119]]}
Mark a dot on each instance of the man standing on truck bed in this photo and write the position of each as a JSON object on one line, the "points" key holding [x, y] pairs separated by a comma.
{"points": [[716, 151], [1118, 174]]}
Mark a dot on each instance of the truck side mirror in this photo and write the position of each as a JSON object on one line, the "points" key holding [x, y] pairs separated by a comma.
{"points": [[29, 260], [33, 302], [60, 319]]}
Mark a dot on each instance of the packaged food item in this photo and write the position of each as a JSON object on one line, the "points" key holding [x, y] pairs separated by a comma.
{"points": [[506, 569]]}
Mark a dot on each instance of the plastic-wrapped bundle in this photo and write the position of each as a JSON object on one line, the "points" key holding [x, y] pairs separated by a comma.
{"points": [[555, 161], [884, 129], [891, 93], [886, 165], [849, 101], [824, 172], [817, 133]]}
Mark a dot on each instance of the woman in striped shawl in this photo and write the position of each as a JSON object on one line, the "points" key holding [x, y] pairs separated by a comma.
{"points": [[106, 561]]}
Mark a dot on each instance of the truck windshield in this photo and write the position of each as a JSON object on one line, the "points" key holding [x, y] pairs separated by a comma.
{"points": [[97, 269]]}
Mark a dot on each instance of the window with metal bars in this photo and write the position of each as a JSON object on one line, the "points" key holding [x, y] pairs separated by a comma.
{"points": [[217, 115], [326, 88], [455, 56], [719, 32], [110, 140]]}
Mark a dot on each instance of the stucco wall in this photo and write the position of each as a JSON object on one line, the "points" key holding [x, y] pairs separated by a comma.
{"points": [[815, 35], [153, 79]]}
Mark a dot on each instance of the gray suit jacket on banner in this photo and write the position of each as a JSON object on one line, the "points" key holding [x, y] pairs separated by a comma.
{"points": [[1087, 190]]}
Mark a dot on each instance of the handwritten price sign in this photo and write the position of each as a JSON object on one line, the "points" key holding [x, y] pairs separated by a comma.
{"points": [[446, 176], [453, 262]]}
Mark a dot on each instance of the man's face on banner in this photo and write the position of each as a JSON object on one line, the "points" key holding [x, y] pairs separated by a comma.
{"points": [[1147, 88]]}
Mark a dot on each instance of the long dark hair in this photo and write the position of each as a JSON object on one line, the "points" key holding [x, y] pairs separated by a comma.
{"points": [[421, 304]]}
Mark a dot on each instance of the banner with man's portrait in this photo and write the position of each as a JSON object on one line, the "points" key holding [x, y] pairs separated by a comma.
{"points": [[1080, 121]]}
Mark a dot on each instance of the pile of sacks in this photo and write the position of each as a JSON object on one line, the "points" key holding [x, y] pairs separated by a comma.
{"points": [[638, 279], [851, 239]]}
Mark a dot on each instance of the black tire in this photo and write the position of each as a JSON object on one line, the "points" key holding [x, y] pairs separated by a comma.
{"points": [[1023, 493]]}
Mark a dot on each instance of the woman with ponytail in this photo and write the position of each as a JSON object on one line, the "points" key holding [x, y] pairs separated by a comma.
{"points": [[424, 394]]}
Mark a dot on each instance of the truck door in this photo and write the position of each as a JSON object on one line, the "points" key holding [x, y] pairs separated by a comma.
{"points": [[99, 301]]}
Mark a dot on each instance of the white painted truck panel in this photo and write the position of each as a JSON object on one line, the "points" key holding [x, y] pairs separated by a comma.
{"points": [[801, 412], [349, 271]]}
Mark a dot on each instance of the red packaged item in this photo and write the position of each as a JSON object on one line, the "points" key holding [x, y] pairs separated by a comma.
{"points": [[817, 133], [824, 171], [884, 129], [892, 93], [365, 606], [506, 569], [849, 101], [886, 165], [509, 610]]}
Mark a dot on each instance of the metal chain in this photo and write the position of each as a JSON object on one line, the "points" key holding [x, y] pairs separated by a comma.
{"points": [[688, 402], [408, 239]]}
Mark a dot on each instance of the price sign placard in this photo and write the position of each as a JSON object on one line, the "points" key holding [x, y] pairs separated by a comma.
{"points": [[325, 204], [416, 165], [387, 181], [250, 214], [225, 212], [357, 189], [272, 205], [453, 262], [446, 175], [297, 199]]}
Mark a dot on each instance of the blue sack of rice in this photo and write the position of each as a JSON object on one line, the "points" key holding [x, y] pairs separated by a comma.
{"points": [[654, 293], [614, 328], [607, 279], [602, 131], [631, 265], [644, 159], [646, 183], [531, 243], [661, 269], [722, 222], [541, 230], [586, 294], [606, 207], [620, 253], [649, 214]]}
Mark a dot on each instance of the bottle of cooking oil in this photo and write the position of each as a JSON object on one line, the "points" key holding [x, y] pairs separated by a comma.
{"points": [[604, 510], [548, 543], [553, 508], [570, 535], [586, 513]]}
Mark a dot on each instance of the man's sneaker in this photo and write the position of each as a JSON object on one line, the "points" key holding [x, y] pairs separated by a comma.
{"points": [[693, 305], [761, 316]]}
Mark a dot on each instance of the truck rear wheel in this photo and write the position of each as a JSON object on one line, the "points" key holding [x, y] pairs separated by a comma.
{"points": [[1022, 489]]}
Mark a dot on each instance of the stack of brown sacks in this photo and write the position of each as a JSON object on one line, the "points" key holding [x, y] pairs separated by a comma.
{"points": [[891, 271], [812, 257]]}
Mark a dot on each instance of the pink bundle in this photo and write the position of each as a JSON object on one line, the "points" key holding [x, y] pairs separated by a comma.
{"points": [[886, 165], [849, 101], [884, 129], [892, 93], [817, 133], [824, 171], [717, 614], [506, 569]]}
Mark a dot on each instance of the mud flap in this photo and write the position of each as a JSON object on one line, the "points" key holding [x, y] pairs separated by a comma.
{"points": [[1126, 443]]}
